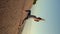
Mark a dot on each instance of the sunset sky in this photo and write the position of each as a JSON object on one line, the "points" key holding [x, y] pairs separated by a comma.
{"points": [[50, 11]]}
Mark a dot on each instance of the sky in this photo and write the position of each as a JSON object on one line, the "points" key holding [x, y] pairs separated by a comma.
{"points": [[50, 11]]}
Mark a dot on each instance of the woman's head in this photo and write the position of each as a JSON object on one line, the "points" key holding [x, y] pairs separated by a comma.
{"points": [[34, 2]]}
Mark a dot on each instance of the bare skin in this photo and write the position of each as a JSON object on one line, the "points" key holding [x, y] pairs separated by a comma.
{"points": [[38, 19]]}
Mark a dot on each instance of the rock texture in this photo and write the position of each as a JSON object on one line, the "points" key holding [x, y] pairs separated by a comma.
{"points": [[12, 14]]}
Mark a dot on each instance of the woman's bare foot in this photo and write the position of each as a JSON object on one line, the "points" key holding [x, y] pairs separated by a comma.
{"points": [[38, 19]]}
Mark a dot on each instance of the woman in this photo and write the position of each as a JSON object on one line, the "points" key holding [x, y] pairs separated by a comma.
{"points": [[37, 19]]}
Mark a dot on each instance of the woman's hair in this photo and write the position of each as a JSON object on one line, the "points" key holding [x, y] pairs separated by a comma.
{"points": [[34, 2]]}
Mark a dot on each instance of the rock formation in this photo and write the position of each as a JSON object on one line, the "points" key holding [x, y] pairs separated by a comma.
{"points": [[12, 14]]}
